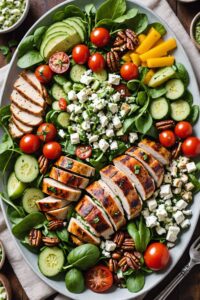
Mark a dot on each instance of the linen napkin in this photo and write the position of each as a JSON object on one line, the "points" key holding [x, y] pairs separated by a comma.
{"points": [[33, 286]]}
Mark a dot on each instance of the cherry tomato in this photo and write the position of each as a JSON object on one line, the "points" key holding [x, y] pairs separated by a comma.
{"points": [[52, 150], [80, 54], [123, 90], [156, 256], [29, 143], [47, 132], [62, 103], [167, 138], [99, 279], [43, 73], [183, 129], [129, 71], [100, 37], [83, 151], [191, 146], [96, 62], [59, 62]]}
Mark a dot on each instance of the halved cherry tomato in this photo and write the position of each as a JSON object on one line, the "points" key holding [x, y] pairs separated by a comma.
{"points": [[80, 54], [52, 150], [43, 73], [47, 132], [99, 279], [123, 90], [96, 62], [100, 37], [156, 256], [29, 143], [183, 129], [129, 71], [167, 138], [59, 62], [83, 151], [62, 103], [191, 146]]}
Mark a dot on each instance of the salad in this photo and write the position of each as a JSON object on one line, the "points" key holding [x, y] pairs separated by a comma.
{"points": [[98, 147]]}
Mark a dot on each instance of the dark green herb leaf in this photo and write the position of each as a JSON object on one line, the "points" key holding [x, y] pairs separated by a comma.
{"points": [[131, 13], [188, 97], [58, 16], [141, 98], [128, 124], [144, 123], [63, 235], [135, 282], [26, 45], [111, 9], [145, 235], [142, 73], [182, 73], [38, 35], [73, 11], [159, 27], [133, 231], [133, 85], [138, 24], [29, 59], [137, 169], [194, 114]]}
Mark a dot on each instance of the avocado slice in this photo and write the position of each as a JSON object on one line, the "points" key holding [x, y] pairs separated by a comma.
{"points": [[59, 42], [161, 76], [77, 27], [64, 29]]}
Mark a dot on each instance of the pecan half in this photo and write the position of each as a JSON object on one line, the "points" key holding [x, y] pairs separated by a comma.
{"points": [[132, 260], [165, 125], [117, 255], [35, 238], [55, 224], [177, 150], [128, 244], [43, 164], [112, 265], [113, 61], [122, 262], [50, 241], [119, 238], [125, 40]]}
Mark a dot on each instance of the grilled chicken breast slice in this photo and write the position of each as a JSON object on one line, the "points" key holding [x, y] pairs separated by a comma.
{"points": [[59, 214], [24, 104], [123, 188], [136, 172], [32, 79], [24, 117], [95, 216], [14, 130], [109, 202], [21, 126], [77, 228], [54, 188], [74, 166], [157, 150], [51, 203], [29, 92], [153, 166], [68, 178]]}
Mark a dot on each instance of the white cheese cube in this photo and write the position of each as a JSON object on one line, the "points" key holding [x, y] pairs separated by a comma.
{"points": [[151, 221], [82, 96], [168, 202], [145, 213], [184, 178], [179, 217], [110, 132], [191, 167], [170, 245], [182, 162], [70, 108], [85, 116], [110, 246], [116, 122], [85, 79], [72, 95], [160, 230], [93, 138], [103, 121], [161, 214], [74, 138], [114, 79], [181, 204], [165, 190], [187, 212], [133, 136], [102, 245], [116, 97], [189, 186], [167, 178], [93, 97], [100, 104], [85, 125], [185, 224], [174, 171], [172, 233], [114, 145], [187, 196], [103, 145], [177, 191], [177, 182], [106, 253], [152, 204], [113, 107], [95, 145], [61, 133], [169, 196], [77, 109]]}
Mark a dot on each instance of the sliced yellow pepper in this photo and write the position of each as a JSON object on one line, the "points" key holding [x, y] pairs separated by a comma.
{"points": [[159, 42], [141, 37], [135, 58], [148, 76], [152, 37], [126, 56], [159, 62]]}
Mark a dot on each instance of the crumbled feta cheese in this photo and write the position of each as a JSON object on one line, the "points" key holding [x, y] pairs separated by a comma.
{"points": [[167, 178], [165, 190], [182, 162], [114, 79], [120, 274], [116, 97], [189, 186], [103, 145], [179, 217], [116, 122], [187, 212], [170, 245], [177, 182], [74, 138], [185, 224], [70, 108], [177, 191], [174, 171], [169, 196], [110, 246], [106, 253], [85, 79], [102, 245], [71, 95], [82, 96], [93, 138], [172, 233], [161, 214], [61, 133], [77, 109], [114, 145], [181, 204], [85, 116], [160, 230], [113, 107], [93, 97], [152, 204], [151, 221], [168, 202], [133, 136], [104, 121], [184, 178], [110, 132], [85, 125], [125, 109], [95, 145], [191, 167], [187, 196], [145, 213]]}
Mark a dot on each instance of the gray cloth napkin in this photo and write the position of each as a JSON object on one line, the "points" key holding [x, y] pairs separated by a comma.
{"points": [[33, 286]]}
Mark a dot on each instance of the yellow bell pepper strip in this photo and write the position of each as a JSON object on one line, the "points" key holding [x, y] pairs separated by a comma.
{"points": [[141, 37], [126, 57], [160, 62], [152, 37], [144, 64], [148, 76], [159, 42], [159, 50], [135, 58]]}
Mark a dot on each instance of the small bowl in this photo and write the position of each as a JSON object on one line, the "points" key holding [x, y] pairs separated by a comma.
{"points": [[21, 19], [192, 26], [6, 284], [188, 1], [3, 255]]}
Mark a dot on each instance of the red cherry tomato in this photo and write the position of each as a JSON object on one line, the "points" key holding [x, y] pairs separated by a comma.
{"points": [[62, 103], [123, 90], [47, 132], [191, 146], [29, 143], [96, 62], [183, 129], [52, 150], [167, 138], [100, 37], [99, 279], [43, 73], [83, 152], [129, 71], [156, 256], [59, 62], [80, 54]]}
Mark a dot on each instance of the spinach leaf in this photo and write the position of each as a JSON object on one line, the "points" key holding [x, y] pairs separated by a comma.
{"points": [[194, 114], [144, 123], [68, 148], [108, 23], [142, 73], [128, 124], [133, 84], [29, 59], [131, 13], [98, 162], [63, 235], [182, 73], [90, 9], [15, 216], [188, 97], [25, 243], [159, 27], [10, 203], [27, 44], [135, 282], [58, 16], [138, 24], [141, 98], [157, 93], [38, 35], [110, 9], [73, 11], [122, 147], [74, 281], [140, 234], [195, 182], [133, 232]]}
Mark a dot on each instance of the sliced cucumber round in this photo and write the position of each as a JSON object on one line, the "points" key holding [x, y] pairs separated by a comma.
{"points": [[58, 92], [180, 110], [159, 108], [15, 187], [51, 261], [175, 89], [76, 72], [63, 119], [31, 195], [101, 75], [26, 168]]}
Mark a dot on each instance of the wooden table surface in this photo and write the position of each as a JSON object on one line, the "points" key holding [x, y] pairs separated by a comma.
{"points": [[189, 289]]}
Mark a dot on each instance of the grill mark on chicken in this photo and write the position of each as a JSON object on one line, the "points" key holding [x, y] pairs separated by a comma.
{"points": [[124, 184]]}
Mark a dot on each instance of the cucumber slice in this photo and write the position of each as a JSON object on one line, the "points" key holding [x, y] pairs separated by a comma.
{"points": [[60, 79], [76, 72], [15, 187], [180, 110], [175, 89], [26, 168], [63, 119], [67, 87], [161, 76], [101, 76], [31, 195], [159, 108], [51, 261], [57, 92], [55, 105]]}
